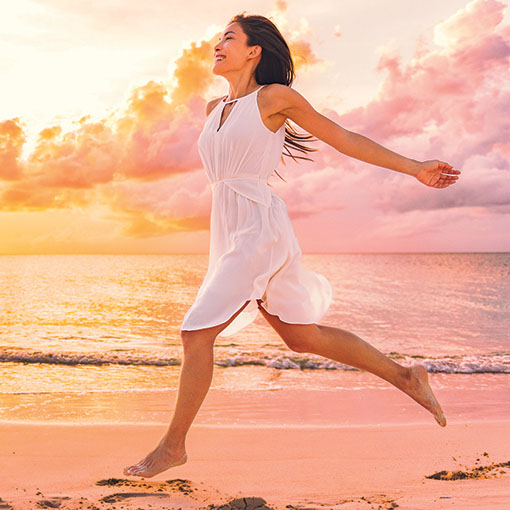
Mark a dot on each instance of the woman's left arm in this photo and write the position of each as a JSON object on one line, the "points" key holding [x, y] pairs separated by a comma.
{"points": [[293, 105]]}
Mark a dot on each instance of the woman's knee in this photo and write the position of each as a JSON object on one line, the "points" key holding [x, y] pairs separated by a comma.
{"points": [[197, 338], [297, 337], [300, 338]]}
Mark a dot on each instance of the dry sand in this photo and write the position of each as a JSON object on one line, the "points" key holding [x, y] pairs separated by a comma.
{"points": [[410, 466]]}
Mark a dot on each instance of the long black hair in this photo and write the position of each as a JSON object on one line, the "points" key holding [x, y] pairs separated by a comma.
{"points": [[275, 66]]}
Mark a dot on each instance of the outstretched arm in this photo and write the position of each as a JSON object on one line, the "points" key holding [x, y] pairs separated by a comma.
{"points": [[293, 105]]}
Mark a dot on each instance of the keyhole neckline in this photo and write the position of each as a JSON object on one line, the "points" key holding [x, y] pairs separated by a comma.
{"points": [[220, 125], [242, 97]]}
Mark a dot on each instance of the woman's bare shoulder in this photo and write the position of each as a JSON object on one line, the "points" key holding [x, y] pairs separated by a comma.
{"points": [[276, 98], [211, 104]]}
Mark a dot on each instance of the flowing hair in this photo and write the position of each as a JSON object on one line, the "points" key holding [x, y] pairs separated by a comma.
{"points": [[275, 66]]}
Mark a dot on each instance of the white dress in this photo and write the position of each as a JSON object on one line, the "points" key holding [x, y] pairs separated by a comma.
{"points": [[254, 252]]}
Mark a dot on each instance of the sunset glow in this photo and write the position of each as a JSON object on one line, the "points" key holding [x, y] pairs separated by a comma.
{"points": [[103, 104]]}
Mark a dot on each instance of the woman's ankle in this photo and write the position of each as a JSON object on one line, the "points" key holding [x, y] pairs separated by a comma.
{"points": [[174, 440]]}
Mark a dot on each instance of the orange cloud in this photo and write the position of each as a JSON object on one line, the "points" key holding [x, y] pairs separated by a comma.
{"points": [[141, 160], [11, 144], [193, 71], [295, 36]]}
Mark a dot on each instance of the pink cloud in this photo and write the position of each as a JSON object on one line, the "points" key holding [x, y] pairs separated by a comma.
{"points": [[450, 102]]}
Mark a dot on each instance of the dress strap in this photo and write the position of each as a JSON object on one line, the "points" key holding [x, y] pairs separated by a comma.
{"points": [[242, 97]]}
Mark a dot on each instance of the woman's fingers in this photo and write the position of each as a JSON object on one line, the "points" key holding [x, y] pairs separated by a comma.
{"points": [[450, 170]]}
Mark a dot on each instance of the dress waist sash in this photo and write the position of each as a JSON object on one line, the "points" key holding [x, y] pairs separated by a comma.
{"points": [[251, 187]]}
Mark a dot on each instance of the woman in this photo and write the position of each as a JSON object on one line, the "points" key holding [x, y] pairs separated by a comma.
{"points": [[255, 259]]}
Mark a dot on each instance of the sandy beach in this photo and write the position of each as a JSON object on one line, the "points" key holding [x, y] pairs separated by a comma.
{"points": [[413, 464], [169, 170]]}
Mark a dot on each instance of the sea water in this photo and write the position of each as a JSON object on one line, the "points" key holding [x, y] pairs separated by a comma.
{"points": [[83, 336]]}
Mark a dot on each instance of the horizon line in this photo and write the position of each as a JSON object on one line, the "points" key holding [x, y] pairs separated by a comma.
{"points": [[304, 253]]}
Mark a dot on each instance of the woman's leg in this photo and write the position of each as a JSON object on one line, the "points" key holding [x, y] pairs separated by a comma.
{"points": [[346, 347], [194, 382]]}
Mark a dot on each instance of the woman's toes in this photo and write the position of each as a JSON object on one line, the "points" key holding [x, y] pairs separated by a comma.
{"points": [[131, 470]]}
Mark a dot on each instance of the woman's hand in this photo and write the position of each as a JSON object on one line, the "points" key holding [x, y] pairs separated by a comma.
{"points": [[437, 174]]}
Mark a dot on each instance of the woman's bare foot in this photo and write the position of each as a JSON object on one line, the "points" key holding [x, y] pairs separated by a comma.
{"points": [[418, 389], [160, 459]]}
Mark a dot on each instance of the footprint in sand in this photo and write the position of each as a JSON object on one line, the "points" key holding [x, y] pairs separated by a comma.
{"points": [[491, 471], [5, 505], [120, 496], [53, 502], [250, 503]]}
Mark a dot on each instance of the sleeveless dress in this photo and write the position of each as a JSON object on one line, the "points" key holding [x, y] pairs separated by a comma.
{"points": [[254, 252]]}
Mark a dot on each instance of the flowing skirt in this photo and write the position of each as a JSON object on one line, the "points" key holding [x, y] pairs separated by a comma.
{"points": [[255, 254]]}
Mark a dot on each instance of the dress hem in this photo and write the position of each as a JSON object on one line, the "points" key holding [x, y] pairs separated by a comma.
{"points": [[293, 323], [220, 323], [258, 305]]}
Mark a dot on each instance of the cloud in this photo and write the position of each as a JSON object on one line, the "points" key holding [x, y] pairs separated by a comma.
{"points": [[451, 103], [174, 204], [141, 161], [193, 70], [296, 36], [12, 139]]}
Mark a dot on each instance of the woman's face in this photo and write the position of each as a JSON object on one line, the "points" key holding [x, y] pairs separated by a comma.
{"points": [[231, 52]]}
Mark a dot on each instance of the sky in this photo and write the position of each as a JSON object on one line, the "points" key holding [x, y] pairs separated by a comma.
{"points": [[102, 103]]}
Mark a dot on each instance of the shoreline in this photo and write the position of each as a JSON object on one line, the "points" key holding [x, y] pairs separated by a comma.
{"points": [[349, 401]]}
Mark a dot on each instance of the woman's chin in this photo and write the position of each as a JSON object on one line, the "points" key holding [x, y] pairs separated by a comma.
{"points": [[219, 68]]}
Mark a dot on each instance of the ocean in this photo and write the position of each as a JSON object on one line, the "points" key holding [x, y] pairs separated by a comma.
{"points": [[82, 335]]}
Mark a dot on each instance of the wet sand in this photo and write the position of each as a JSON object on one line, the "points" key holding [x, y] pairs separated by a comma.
{"points": [[407, 465]]}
